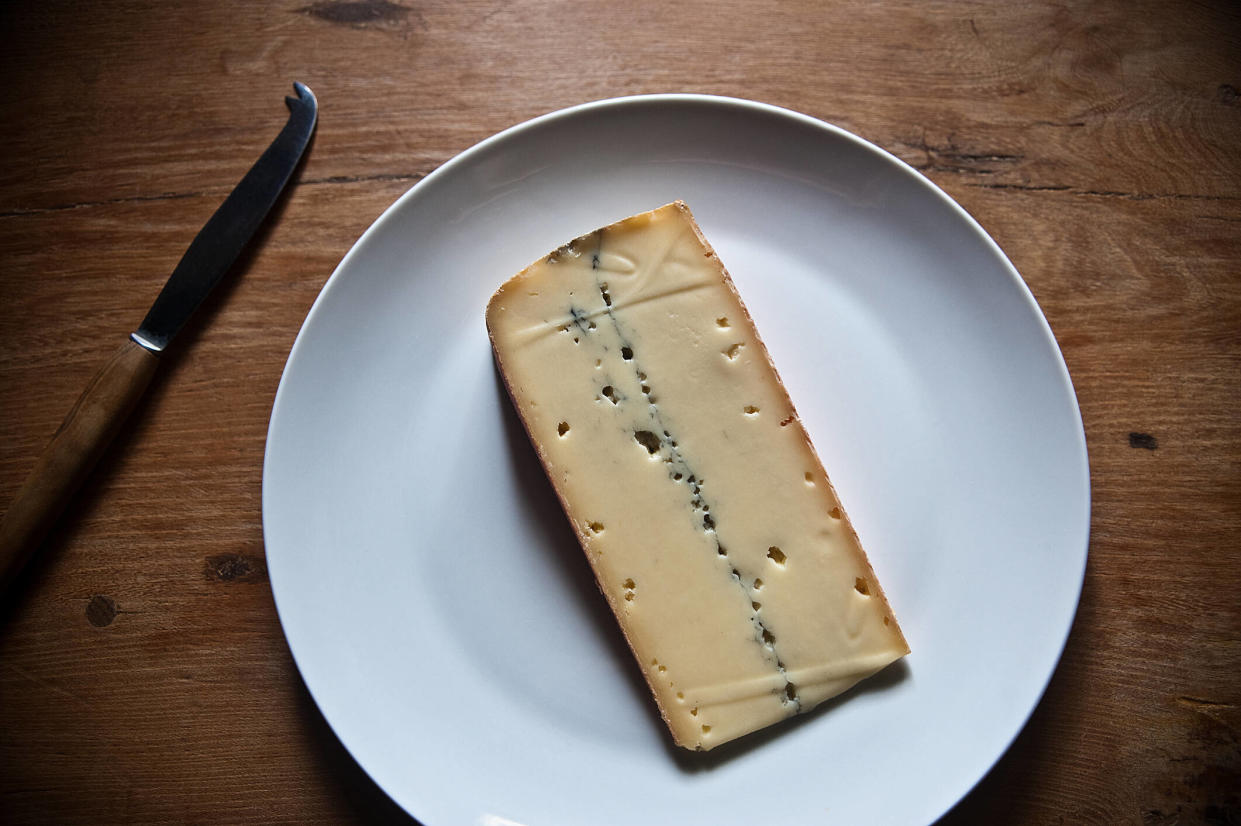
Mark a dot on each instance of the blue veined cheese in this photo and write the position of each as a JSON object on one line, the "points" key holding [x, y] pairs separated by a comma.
{"points": [[713, 531]]}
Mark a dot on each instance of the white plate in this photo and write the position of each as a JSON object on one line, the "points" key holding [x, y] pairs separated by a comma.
{"points": [[437, 604]]}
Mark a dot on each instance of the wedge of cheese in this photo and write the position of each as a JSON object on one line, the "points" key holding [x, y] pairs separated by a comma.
{"points": [[706, 515]]}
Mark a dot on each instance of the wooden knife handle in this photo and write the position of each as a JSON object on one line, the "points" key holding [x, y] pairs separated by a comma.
{"points": [[66, 462]]}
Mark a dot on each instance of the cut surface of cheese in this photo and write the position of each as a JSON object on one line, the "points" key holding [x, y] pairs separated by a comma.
{"points": [[691, 484]]}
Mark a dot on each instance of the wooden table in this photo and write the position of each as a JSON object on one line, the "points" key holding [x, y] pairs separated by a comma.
{"points": [[143, 674]]}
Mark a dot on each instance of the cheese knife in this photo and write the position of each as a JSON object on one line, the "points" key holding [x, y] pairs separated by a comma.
{"points": [[114, 391]]}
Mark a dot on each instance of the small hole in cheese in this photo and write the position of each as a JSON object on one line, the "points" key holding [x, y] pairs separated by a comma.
{"points": [[596, 527], [562, 429], [733, 352], [751, 410], [790, 691], [809, 478], [834, 513], [859, 585], [681, 696], [708, 524], [706, 729], [626, 353], [693, 712], [756, 605], [629, 584], [758, 584], [722, 321], [662, 669], [887, 620], [776, 555], [610, 393], [769, 638], [648, 440], [629, 596]]}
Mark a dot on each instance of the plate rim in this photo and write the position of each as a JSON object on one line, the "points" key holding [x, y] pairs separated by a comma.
{"points": [[739, 106]]}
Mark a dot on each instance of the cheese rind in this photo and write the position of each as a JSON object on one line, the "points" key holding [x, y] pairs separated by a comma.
{"points": [[711, 527]]}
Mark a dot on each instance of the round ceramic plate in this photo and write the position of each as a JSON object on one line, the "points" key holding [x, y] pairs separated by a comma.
{"points": [[430, 589]]}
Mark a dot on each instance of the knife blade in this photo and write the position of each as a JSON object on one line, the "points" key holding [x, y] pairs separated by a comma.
{"points": [[114, 391], [222, 238]]}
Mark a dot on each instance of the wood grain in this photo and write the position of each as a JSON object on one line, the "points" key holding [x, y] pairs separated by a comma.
{"points": [[143, 675]]}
